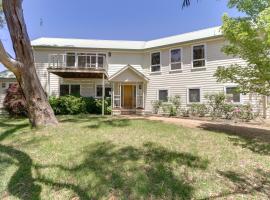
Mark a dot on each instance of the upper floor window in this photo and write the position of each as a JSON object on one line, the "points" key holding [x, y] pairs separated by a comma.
{"points": [[92, 60], [71, 59], [56, 60], [176, 59], [232, 95], [155, 62], [194, 95], [101, 60], [198, 56]]}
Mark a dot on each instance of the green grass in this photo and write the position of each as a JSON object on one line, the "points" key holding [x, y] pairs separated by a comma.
{"points": [[90, 157]]}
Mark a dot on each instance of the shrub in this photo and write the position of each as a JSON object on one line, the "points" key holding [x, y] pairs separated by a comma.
{"points": [[14, 102], [156, 105], [228, 110], [185, 112], [176, 101], [244, 112], [216, 103], [71, 105], [68, 105], [198, 110]]}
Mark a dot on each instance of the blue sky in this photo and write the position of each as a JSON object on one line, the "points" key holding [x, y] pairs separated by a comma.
{"points": [[117, 19]]}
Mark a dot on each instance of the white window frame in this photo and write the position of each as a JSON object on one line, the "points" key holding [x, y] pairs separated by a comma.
{"points": [[105, 86], [151, 53], [105, 61], [4, 84], [163, 89], [69, 87], [181, 62], [188, 102], [225, 92], [65, 58], [205, 56]]}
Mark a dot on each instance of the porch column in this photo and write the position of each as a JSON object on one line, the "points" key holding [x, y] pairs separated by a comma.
{"points": [[49, 85], [112, 97], [103, 94]]}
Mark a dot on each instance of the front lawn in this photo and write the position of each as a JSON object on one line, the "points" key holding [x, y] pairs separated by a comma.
{"points": [[90, 157]]}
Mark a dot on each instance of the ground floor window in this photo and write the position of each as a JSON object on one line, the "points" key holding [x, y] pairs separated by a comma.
{"points": [[66, 89], [4, 85], [232, 95], [163, 95], [108, 91], [194, 95]]}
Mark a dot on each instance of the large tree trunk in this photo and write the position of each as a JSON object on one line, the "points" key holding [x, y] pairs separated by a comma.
{"points": [[40, 111]]}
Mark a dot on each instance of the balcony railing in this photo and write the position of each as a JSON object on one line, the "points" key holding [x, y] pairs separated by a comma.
{"points": [[79, 60]]}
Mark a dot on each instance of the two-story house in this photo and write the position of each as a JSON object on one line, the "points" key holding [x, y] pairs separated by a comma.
{"points": [[135, 73]]}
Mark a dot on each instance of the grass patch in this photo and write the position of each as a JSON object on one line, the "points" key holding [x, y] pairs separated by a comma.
{"points": [[92, 157]]}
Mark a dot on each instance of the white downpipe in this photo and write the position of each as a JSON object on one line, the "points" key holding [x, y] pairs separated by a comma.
{"points": [[103, 94]]}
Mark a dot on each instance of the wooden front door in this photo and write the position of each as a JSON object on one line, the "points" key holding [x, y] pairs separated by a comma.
{"points": [[128, 96]]}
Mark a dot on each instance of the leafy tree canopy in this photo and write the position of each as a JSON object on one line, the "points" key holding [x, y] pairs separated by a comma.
{"points": [[249, 38]]}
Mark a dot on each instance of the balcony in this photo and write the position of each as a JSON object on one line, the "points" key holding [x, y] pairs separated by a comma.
{"points": [[78, 65]]}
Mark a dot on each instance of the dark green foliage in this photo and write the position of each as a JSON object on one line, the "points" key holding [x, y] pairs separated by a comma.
{"points": [[71, 105]]}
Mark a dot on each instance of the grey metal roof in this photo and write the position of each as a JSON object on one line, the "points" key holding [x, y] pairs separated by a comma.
{"points": [[129, 45]]}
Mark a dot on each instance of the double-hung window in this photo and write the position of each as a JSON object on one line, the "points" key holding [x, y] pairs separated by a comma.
{"points": [[194, 95], [163, 95], [232, 95], [176, 59], [108, 90], [155, 62], [66, 89], [70, 60], [198, 56]]}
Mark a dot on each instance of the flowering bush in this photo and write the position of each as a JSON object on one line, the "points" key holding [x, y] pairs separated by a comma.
{"points": [[199, 110], [215, 104]]}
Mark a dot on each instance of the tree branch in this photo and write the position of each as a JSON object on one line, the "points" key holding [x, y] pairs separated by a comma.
{"points": [[7, 61]]}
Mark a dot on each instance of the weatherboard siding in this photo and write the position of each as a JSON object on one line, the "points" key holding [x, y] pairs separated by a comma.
{"points": [[176, 82]]}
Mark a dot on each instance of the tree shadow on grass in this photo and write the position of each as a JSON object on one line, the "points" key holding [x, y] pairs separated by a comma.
{"points": [[146, 172], [22, 184], [79, 118], [109, 122], [254, 139], [137, 173], [243, 184]]}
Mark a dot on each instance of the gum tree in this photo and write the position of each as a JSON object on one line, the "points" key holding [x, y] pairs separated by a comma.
{"points": [[249, 38], [39, 110]]}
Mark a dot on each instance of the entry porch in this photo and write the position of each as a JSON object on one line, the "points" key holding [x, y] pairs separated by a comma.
{"points": [[128, 91]]}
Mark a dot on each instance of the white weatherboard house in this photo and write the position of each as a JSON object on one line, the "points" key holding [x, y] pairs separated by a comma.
{"points": [[134, 73]]}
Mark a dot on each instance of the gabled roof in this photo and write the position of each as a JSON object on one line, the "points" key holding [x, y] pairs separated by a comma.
{"points": [[127, 68], [7, 75], [127, 45]]}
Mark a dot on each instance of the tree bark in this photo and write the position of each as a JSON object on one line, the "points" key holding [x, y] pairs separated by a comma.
{"points": [[39, 110]]}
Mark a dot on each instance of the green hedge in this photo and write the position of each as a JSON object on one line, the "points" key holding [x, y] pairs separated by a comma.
{"points": [[71, 105]]}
